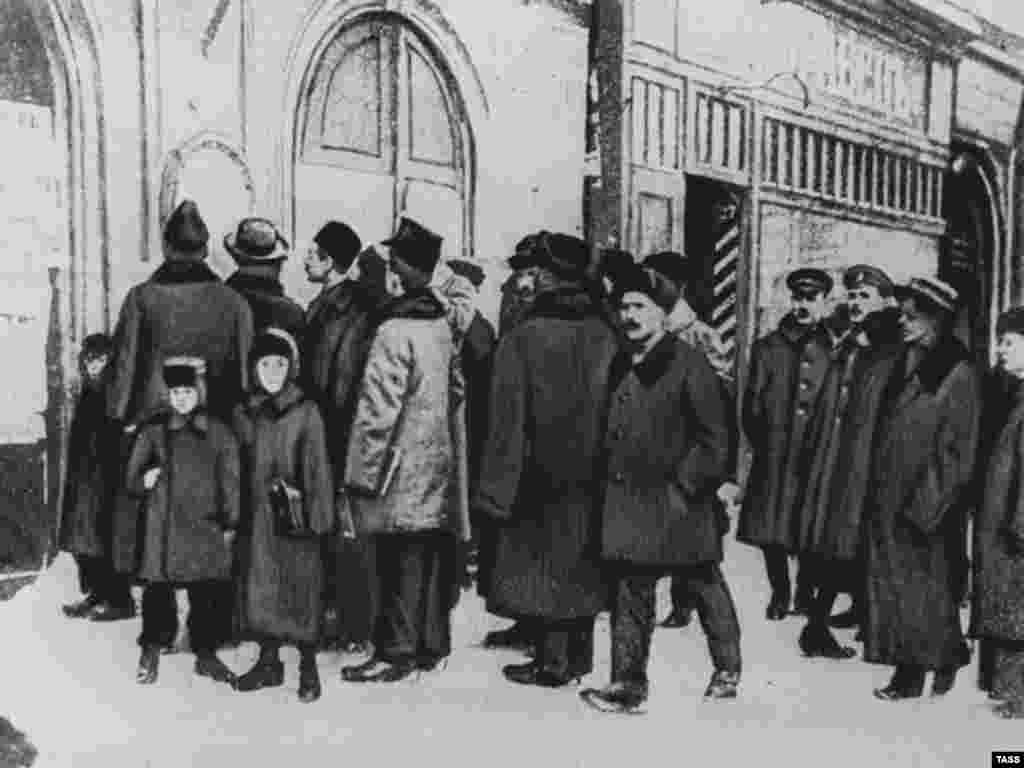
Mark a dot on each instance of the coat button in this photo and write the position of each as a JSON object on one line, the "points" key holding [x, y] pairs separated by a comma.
{"points": [[805, 363], [618, 433], [618, 477], [804, 385], [801, 411]]}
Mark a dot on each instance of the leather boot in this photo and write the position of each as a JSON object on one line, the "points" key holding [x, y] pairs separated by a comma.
{"points": [[907, 683], [943, 681], [208, 664], [516, 637], [723, 685], [778, 607], [377, 670], [149, 665], [817, 641], [309, 679], [677, 619], [533, 673], [267, 672], [82, 608], [626, 698]]}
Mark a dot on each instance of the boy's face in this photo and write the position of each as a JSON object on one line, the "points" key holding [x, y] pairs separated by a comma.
{"points": [[94, 365], [184, 399], [1010, 351], [272, 371]]}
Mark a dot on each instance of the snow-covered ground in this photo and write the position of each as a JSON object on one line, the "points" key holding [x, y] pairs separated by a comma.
{"points": [[70, 686]]}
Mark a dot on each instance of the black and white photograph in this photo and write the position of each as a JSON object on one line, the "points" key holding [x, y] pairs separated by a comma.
{"points": [[511, 383]]}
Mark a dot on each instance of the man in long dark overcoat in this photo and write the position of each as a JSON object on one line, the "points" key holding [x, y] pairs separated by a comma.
{"points": [[914, 531], [835, 468], [787, 369], [997, 617], [260, 251], [540, 474], [334, 347], [666, 450], [183, 309]]}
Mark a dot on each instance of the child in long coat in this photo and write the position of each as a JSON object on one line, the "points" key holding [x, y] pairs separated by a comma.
{"points": [[281, 568], [92, 469], [184, 467]]}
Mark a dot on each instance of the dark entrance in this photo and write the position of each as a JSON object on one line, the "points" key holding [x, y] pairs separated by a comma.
{"points": [[968, 257]]}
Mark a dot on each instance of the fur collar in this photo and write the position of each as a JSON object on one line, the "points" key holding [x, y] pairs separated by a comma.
{"points": [[245, 282], [198, 421], [938, 363], [182, 272], [565, 301], [794, 333], [280, 403], [418, 305], [649, 370]]}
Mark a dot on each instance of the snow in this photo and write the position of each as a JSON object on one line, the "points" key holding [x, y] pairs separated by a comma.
{"points": [[70, 686]]}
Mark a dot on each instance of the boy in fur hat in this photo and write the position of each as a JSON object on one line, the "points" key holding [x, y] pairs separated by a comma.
{"points": [[92, 470], [283, 442], [185, 467]]}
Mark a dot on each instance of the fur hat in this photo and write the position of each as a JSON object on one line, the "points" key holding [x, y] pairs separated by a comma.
{"points": [[675, 266], [654, 285], [183, 371], [95, 345], [276, 341], [467, 269], [185, 230], [415, 245], [340, 242]]}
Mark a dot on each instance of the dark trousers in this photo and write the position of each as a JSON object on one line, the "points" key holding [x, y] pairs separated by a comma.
{"points": [[351, 586], [206, 621], [97, 577], [565, 647], [703, 586], [414, 582], [776, 562], [833, 577]]}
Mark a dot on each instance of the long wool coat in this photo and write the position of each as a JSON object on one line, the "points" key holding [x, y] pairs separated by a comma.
{"points": [[787, 370], [404, 420], [269, 305], [914, 535], [280, 578], [999, 536], [541, 473], [183, 309], [837, 460], [183, 518], [93, 474], [667, 448]]}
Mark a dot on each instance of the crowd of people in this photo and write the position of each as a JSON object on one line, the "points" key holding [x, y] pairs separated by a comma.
{"points": [[322, 477]]}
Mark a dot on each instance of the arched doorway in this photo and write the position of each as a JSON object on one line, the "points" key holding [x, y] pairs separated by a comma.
{"points": [[381, 132], [971, 253]]}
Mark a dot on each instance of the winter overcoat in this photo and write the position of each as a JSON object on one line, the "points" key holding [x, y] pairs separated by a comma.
{"points": [[196, 498], [281, 578], [787, 369], [914, 536], [541, 473], [269, 305], [333, 349], [835, 468], [999, 536], [667, 449], [402, 459], [183, 309], [92, 476]]}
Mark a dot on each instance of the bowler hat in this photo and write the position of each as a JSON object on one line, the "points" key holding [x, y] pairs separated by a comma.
{"points": [[865, 274], [256, 241], [810, 280], [677, 267], [185, 229], [415, 245], [933, 291], [340, 242], [654, 285]]}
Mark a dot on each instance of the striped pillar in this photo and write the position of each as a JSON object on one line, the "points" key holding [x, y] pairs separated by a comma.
{"points": [[725, 270]]}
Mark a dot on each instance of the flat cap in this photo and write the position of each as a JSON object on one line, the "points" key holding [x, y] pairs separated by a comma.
{"points": [[938, 293]]}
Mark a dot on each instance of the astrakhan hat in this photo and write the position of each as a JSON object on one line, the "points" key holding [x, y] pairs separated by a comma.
{"points": [[183, 371], [415, 245], [654, 285], [185, 229]]}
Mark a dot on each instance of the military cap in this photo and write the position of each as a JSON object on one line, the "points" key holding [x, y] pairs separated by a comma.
{"points": [[809, 279], [865, 274], [932, 290]]}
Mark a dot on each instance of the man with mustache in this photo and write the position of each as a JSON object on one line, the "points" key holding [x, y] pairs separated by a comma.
{"points": [[838, 454], [787, 368]]}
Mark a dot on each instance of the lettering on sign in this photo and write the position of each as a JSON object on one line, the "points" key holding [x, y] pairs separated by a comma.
{"points": [[854, 67]]}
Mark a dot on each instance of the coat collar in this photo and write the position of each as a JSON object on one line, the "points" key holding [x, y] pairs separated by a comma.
{"points": [[249, 283], [418, 305], [794, 333], [565, 301], [198, 421], [279, 404], [938, 362], [654, 365], [184, 271]]}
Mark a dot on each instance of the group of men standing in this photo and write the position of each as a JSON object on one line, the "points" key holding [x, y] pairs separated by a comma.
{"points": [[588, 448]]}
